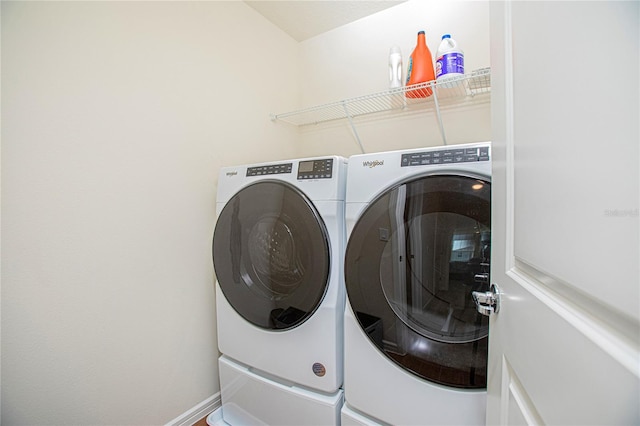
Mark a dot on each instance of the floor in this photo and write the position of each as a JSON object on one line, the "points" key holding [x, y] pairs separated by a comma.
{"points": [[215, 418], [201, 422]]}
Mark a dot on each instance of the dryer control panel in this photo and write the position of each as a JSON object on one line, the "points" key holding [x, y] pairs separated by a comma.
{"points": [[271, 169], [315, 169], [445, 156]]}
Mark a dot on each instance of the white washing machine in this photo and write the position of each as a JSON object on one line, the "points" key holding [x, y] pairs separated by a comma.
{"points": [[418, 227], [278, 251]]}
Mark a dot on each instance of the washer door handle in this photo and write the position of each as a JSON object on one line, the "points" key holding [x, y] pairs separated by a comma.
{"points": [[487, 302]]}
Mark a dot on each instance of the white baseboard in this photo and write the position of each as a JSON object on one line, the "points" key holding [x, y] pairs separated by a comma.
{"points": [[198, 412]]}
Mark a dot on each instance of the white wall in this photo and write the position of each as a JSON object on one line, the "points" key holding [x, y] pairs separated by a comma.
{"points": [[116, 117], [352, 61]]}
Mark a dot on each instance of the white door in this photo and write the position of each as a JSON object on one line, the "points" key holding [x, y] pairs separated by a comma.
{"points": [[564, 345]]}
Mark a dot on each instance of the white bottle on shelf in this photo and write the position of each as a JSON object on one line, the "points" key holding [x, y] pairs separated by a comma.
{"points": [[449, 60], [395, 67]]}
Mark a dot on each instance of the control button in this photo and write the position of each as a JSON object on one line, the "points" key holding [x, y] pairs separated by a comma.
{"points": [[484, 153]]}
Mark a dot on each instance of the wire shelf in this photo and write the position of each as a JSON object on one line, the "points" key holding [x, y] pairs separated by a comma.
{"points": [[435, 94]]}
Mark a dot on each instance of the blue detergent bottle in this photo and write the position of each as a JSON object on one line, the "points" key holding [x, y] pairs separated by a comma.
{"points": [[449, 59]]}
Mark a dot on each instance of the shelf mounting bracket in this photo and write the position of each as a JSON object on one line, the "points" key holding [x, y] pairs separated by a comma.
{"points": [[353, 127], [437, 108]]}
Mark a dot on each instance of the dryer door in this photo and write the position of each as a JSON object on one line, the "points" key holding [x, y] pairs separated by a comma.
{"points": [[413, 259], [271, 255]]}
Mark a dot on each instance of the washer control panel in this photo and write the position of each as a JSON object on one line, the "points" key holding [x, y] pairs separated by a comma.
{"points": [[445, 156], [271, 169], [315, 169]]}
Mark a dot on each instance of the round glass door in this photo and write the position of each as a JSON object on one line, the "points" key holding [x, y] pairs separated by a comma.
{"points": [[271, 255], [413, 259]]}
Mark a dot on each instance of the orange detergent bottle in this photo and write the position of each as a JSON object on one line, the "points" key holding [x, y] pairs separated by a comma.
{"points": [[420, 68]]}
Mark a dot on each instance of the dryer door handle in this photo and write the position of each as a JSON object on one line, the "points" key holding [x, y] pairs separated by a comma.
{"points": [[487, 302]]}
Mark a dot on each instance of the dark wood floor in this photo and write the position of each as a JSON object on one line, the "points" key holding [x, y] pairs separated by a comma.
{"points": [[201, 422]]}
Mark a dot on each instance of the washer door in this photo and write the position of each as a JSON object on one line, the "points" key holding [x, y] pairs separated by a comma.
{"points": [[413, 259], [271, 255]]}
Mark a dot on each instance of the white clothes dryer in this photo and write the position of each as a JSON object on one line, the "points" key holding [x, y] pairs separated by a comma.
{"points": [[419, 235], [278, 251]]}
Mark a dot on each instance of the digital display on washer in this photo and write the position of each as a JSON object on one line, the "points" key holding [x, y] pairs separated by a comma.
{"points": [[445, 156], [315, 169], [305, 166], [271, 169]]}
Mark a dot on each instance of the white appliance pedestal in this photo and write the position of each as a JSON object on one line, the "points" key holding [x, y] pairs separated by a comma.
{"points": [[250, 398]]}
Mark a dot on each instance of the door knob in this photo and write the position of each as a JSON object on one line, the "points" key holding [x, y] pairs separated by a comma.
{"points": [[487, 302]]}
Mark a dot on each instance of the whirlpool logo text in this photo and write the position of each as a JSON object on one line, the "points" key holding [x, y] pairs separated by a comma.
{"points": [[372, 163]]}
